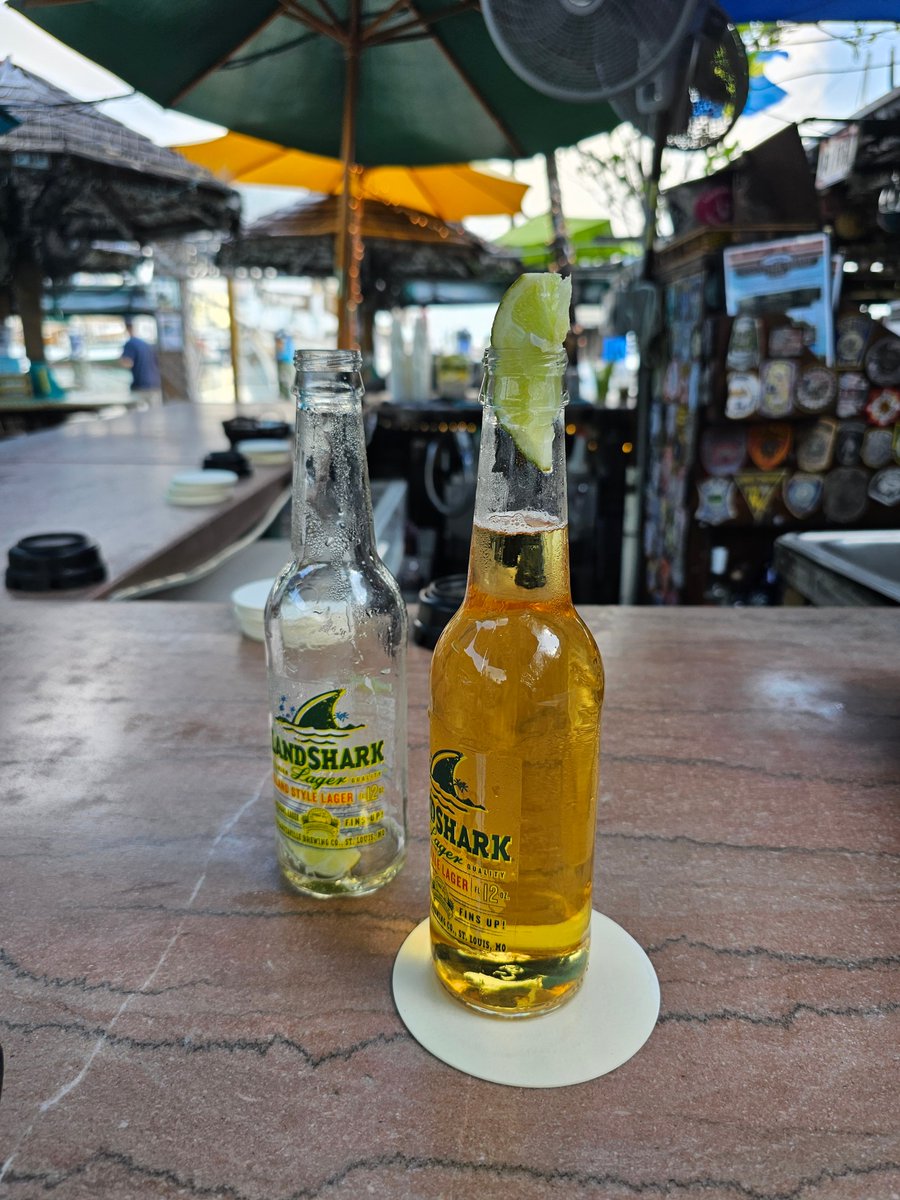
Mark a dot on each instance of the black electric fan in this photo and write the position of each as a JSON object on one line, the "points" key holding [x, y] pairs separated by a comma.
{"points": [[676, 67], [586, 50], [699, 93]]}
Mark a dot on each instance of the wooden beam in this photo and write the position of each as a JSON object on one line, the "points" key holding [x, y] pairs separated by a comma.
{"points": [[219, 62], [416, 22], [397, 6], [514, 142], [296, 11], [329, 12]]}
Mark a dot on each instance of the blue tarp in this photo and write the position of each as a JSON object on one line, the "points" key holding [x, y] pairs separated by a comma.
{"points": [[742, 11]]}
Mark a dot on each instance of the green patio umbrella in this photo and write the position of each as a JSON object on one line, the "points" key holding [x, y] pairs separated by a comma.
{"points": [[372, 82], [591, 242]]}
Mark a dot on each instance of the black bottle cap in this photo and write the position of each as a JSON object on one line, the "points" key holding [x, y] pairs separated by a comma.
{"points": [[54, 562], [438, 601]]}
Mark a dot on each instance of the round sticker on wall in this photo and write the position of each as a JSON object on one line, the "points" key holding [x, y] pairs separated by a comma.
{"points": [[877, 447], [743, 396], [717, 501], [778, 379], [885, 486], [853, 392], [744, 344], [852, 334], [848, 444], [723, 449], [817, 390], [815, 446], [883, 362], [769, 444], [803, 494], [846, 495], [883, 407]]}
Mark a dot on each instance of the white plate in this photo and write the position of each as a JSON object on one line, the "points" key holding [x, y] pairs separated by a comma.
{"points": [[217, 489], [261, 446], [204, 479], [270, 460], [193, 500]]}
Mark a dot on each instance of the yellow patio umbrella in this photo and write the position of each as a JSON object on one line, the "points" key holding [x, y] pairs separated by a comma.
{"points": [[450, 192]]}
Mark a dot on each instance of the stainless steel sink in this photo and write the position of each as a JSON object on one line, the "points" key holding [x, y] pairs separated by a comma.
{"points": [[859, 567]]}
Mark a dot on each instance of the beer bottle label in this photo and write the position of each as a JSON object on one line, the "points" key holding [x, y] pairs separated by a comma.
{"points": [[474, 852], [330, 768]]}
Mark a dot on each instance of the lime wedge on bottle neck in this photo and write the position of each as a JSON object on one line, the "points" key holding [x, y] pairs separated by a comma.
{"points": [[531, 323]]}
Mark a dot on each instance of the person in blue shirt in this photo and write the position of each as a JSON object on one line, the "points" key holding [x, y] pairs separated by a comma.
{"points": [[140, 357], [284, 362]]}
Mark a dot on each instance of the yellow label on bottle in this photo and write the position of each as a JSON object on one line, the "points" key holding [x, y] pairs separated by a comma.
{"points": [[327, 775], [473, 860]]}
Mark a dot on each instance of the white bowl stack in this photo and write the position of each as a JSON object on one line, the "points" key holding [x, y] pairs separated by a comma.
{"points": [[266, 452], [199, 488], [249, 605], [318, 624]]}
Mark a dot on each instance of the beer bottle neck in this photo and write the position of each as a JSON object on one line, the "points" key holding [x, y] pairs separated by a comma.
{"points": [[521, 513], [331, 518]]}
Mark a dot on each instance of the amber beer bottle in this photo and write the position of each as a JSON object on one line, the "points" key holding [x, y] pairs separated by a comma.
{"points": [[516, 693], [336, 655]]}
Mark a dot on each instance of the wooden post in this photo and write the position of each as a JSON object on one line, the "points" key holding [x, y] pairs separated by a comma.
{"points": [[28, 286], [235, 339]]}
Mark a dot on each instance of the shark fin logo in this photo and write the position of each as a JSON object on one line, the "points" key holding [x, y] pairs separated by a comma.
{"points": [[318, 716], [445, 787]]}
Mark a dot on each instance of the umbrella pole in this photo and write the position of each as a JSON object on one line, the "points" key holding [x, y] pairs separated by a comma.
{"points": [[348, 234], [234, 340], [562, 251], [651, 195]]}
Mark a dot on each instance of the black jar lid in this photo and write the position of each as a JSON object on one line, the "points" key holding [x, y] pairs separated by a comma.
{"points": [[246, 429], [228, 460], [54, 562], [438, 601]]}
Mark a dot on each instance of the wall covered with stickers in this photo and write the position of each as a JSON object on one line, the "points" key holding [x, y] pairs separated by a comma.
{"points": [[776, 409]]}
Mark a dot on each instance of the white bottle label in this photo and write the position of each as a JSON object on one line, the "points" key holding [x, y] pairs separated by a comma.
{"points": [[329, 772]]}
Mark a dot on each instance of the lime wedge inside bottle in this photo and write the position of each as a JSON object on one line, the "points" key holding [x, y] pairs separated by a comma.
{"points": [[327, 863], [532, 320]]}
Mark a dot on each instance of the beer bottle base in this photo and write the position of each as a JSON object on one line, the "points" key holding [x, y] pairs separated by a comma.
{"points": [[503, 987], [347, 884]]}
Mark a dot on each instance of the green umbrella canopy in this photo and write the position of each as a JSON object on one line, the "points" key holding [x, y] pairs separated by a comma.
{"points": [[533, 239], [371, 82], [431, 86]]}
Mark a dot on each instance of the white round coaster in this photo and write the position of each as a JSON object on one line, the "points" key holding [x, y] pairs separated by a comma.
{"points": [[602, 1026]]}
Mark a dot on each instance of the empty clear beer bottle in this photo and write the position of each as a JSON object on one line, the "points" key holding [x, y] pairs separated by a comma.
{"points": [[336, 633]]}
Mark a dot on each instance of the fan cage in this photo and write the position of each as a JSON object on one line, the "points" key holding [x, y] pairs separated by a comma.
{"points": [[586, 53]]}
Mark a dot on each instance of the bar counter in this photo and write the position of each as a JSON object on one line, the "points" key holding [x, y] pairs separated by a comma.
{"points": [[176, 1024], [108, 479]]}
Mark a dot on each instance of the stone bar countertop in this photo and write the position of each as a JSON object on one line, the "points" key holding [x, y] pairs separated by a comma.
{"points": [[108, 480], [176, 1024]]}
